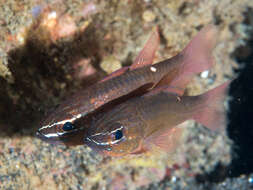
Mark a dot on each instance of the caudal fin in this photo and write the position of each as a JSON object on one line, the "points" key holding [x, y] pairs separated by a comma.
{"points": [[213, 113], [196, 57]]}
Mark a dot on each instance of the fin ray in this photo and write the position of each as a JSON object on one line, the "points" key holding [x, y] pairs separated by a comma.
{"points": [[196, 57], [147, 54], [213, 115]]}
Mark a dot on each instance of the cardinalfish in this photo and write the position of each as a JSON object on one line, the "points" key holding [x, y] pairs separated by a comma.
{"points": [[118, 114], [152, 119]]}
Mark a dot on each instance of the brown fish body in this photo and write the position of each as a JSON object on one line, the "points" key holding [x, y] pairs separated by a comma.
{"points": [[68, 122], [101, 93], [89, 100], [165, 110], [138, 119], [144, 116]]}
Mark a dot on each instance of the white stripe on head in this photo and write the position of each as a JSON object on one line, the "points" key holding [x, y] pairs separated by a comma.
{"points": [[49, 135], [61, 122], [57, 134]]}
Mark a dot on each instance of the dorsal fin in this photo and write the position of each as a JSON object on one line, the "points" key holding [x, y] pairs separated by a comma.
{"points": [[145, 57], [115, 74], [147, 54]]}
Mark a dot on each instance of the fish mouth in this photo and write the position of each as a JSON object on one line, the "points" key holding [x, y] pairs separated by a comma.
{"points": [[95, 146], [69, 139], [40, 135], [43, 137]]}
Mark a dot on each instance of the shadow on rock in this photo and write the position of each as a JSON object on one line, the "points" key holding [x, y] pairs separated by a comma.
{"points": [[44, 73]]}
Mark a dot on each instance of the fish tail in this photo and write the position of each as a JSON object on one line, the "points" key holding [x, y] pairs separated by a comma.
{"points": [[213, 113], [196, 57], [197, 54]]}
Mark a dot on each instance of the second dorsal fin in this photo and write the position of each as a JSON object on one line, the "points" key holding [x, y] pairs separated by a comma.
{"points": [[196, 57]]}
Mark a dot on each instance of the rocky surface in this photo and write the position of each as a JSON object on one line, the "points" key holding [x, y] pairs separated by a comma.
{"points": [[51, 49]]}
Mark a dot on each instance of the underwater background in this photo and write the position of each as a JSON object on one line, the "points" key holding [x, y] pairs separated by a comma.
{"points": [[52, 49]]}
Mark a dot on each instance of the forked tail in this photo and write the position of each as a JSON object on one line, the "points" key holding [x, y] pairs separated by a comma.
{"points": [[213, 113], [196, 57]]}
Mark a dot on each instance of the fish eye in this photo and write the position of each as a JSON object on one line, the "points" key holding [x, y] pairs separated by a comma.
{"points": [[68, 126], [118, 134]]}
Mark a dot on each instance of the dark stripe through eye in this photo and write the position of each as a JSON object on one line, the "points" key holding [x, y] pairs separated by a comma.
{"points": [[68, 126], [118, 134]]}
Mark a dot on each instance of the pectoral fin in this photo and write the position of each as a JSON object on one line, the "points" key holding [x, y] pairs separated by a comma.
{"points": [[169, 139]]}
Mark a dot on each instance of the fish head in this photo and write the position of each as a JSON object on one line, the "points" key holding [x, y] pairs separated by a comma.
{"points": [[115, 138], [59, 128]]}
